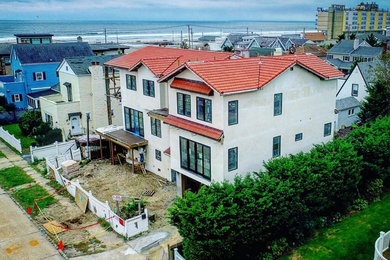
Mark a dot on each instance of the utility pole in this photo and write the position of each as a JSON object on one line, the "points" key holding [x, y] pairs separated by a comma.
{"points": [[105, 35], [181, 36], [247, 31], [106, 76], [117, 39], [88, 150], [189, 36], [192, 38]]}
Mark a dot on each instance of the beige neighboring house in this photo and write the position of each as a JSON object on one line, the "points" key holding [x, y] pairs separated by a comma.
{"points": [[82, 90]]}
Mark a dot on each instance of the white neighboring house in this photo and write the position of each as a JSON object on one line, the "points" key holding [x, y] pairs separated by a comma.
{"points": [[82, 90], [351, 94], [145, 103], [227, 117]]}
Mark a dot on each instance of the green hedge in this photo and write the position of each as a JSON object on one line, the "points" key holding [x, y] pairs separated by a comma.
{"points": [[260, 216]]}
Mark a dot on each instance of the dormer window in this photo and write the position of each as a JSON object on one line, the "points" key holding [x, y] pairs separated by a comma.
{"points": [[39, 76]]}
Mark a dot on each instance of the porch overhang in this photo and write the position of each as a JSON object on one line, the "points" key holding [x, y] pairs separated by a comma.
{"points": [[122, 138]]}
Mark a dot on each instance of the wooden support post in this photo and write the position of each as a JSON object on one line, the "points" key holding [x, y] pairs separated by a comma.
{"points": [[112, 153], [132, 158], [101, 148]]}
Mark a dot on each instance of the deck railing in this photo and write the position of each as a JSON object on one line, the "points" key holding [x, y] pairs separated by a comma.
{"points": [[381, 245]]}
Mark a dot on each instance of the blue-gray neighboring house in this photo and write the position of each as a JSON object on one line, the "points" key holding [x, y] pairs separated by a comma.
{"points": [[344, 53], [34, 69]]}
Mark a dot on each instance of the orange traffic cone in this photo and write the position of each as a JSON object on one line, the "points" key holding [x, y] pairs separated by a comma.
{"points": [[29, 211], [60, 245]]}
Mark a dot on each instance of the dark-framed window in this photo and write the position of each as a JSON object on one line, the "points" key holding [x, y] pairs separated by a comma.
{"points": [[195, 157], [184, 104], [69, 92], [148, 87], [203, 109], [158, 154], [17, 97], [155, 126], [134, 121], [278, 104], [233, 112], [276, 145], [327, 129], [298, 137], [355, 90], [38, 76], [232, 159], [131, 82]]}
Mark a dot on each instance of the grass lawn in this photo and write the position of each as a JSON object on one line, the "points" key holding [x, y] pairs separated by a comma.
{"points": [[353, 238], [2, 155], [26, 197], [15, 130], [11, 177]]}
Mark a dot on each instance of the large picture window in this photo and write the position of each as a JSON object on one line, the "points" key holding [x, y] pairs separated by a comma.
{"points": [[155, 126], [148, 87], [184, 104], [131, 82], [195, 157], [278, 104], [134, 121], [203, 109], [233, 112]]}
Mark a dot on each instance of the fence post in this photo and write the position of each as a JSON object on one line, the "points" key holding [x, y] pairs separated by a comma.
{"points": [[58, 152], [381, 241]]}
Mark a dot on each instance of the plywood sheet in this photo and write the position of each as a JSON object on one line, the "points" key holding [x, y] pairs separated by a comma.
{"points": [[53, 229], [81, 200]]}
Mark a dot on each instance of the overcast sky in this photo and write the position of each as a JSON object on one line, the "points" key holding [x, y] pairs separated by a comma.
{"points": [[221, 10]]}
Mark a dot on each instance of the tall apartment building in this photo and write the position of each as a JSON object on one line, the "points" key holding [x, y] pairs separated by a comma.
{"points": [[362, 18]]}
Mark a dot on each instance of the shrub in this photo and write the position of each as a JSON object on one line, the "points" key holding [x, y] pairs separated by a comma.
{"points": [[29, 120], [131, 209], [50, 137], [359, 204], [41, 129], [374, 190]]}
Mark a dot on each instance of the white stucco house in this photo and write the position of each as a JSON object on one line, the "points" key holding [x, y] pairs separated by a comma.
{"points": [[82, 90], [352, 93], [227, 117], [145, 103], [206, 116]]}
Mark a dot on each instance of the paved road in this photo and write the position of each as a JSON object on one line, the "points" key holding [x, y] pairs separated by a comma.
{"points": [[19, 238]]}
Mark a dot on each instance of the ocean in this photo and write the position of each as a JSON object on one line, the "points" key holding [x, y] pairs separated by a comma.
{"points": [[132, 31]]}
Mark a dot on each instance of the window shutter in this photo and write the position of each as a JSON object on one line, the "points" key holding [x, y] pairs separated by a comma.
{"points": [[20, 97], [44, 75], [35, 77], [13, 98]]}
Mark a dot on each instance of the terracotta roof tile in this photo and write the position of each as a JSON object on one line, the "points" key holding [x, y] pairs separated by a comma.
{"points": [[315, 36], [193, 86], [238, 75], [194, 127], [163, 60]]}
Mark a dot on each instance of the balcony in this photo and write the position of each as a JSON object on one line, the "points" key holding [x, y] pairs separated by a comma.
{"points": [[382, 251]]}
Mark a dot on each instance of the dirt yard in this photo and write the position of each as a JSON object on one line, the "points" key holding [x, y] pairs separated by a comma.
{"points": [[105, 180]]}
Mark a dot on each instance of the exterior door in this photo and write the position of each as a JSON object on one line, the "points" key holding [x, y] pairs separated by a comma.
{"points": [[75, 126]]}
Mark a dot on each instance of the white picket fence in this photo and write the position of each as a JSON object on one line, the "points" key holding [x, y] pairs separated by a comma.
{"points": [[58, 151], [15, 143], [127, 228], [381, 245]]}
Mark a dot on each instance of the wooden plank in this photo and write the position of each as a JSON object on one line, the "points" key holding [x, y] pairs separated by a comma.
{"points": [[81, 200], [53, 229]]}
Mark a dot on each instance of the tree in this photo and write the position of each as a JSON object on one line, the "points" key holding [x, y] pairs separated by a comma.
{"points": [[371, 39], [377, 103], [341, 37], [228, 48], [184, 45], [352, 36], [29, 120]]}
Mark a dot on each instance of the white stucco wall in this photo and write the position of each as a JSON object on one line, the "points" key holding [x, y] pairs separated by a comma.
{"points": [[308, 104], [135, 99]]}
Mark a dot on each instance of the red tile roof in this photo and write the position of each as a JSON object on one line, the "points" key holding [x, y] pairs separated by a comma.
{"points": [[163, 60], [193, 86], [196, 128], [238, 75]]}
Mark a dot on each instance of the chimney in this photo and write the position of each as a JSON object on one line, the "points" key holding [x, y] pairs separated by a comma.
{"points": [[355, 44]]}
